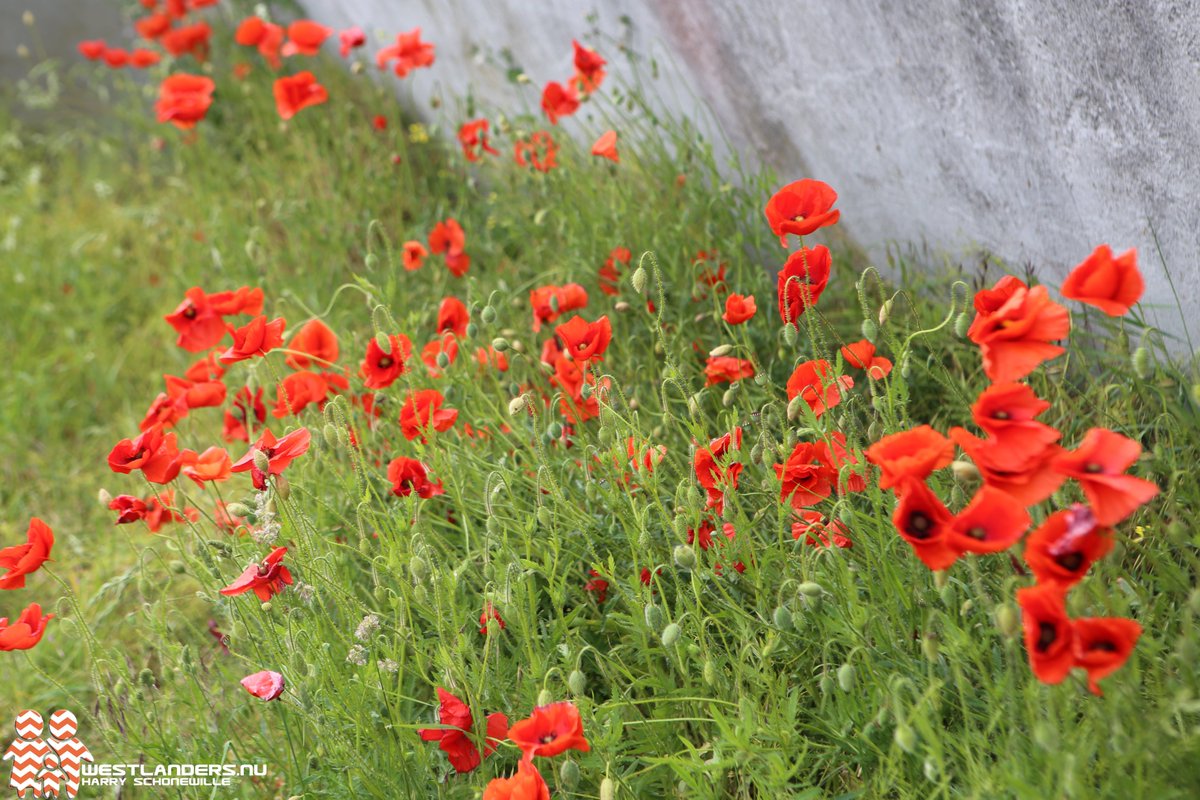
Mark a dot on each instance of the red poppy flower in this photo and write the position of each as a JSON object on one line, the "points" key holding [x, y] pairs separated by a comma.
{"points": [[813, 382], [129, 509], [1014, 326], [448, 237], [164, 412], [538, 151], [1008, 411], [924, 522], [455, 740], [473, 137], [314, 342], [214, 464], [407, 475], [1103, 645], [559, 101], [413, 255], [26, 631], [1110, 284], [801, 281], [156, 454], [142, 58], [801, 208], [489, 613], [115, 57], [1099, 465], [92, 50], [808, 476], [585, 340], [727, 369], [991, 522], [160, 510], [453, 317], [305, 38], [711, 270], [817, 529], [199, 318], [350, 39], [248, 409], [715, 470], [183, 100], [486, 356], [266, 36], [279, 452], [298, 391], [1063, 547], [861, 355], [1049, 635], [187, 39], [550, 730], [446, 344], [525, 784], [606, 146], [297, 92], [423, 410], [250, 31], [23, 559], [589, 68], [265, 579], [910, 454], [409, 53], [550, 302], [265, 685], [1025, 474], [256, 338], [739, 308], [380, 369], [609, 273]]}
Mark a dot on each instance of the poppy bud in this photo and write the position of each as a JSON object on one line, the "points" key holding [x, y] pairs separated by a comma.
{"points": [[885, 311], [845, 677], [178, 567], [1007, 620], [146, 678], [1141, 363], [371, 261], [720, 350], [869, 329], [810, 589], [965, 471], [906, 737], [569, 774], [443, 360], [685, 556], [783, 619], [544, 517], [500, 344], [694, 406], [517, 345], [608, 789], [729, 396], [555, 430], [789, 335], [237, 509], [282, 488], [671, 634], [793, 408], [905, 369], [266, 607], [654, 617], [638, 279], [545, 698], [516, 405], [756, 453], [874, 430], [577, 682], [929, 646], [105, 497], [488, 314], [622, 307], [957, 498], [472, 330], [962, 324], [825, 684], [262, 462], [419, 568], [585, 391]]}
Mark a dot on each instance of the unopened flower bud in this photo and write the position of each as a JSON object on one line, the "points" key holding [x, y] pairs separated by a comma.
{"points": [[929, 646], [488, 314], [905, 737], [517, 405], [671, 634], [638, 280], [577, 682], [710, 672], [282, 487], [965, 471], [418, 568], [545, 697], [442, 360], [1141, 363], [962, 323], [885, 312], [720, 350], [568, 773], [869, 329], [500, 344], [371, 261], [782, 619], [810, 589], [654, 617], [262, 462], [105, 497], [621, 307], [845, 677], [608, 789], [685, 556], [729, 396], [794, 405], [1007, 620], [789, 335]]}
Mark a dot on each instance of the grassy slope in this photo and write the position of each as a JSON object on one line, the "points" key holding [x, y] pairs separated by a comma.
{"points": [[110, 235]]}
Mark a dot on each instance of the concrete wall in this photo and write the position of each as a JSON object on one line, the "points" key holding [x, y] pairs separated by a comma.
{"points": [[1034, 128]]}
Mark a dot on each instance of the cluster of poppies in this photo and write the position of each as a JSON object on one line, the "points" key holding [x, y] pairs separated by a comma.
{"points": [[1020, 465]]}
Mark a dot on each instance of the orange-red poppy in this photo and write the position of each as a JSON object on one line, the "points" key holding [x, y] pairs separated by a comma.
{"points": [[739, 308], [448, 238], [280, 453], [351, 39], [1099, 465], [1110, 284], [265, 579], [473, 137], [412, 255], [1007, 412], [315, 343], [727, 369], [539, 151], [585, 340], [606, 146], [1014, 326], [814, 382], [422, 410], [409, 476], [298, 391], [992, 522], [187, 39], [559, 101], [589, 68], [409, 53], [214, 464], [914, 453], [23, 559], [92, 49], [305, 38], [184, 100], [453, 317], [1049, 635], [807, 476], [380, 368], [25, 631], [1063, 547], [295, 93], [801, 281], [256, 338], [525, 784], [861, 355], [1027, 475], [800, 208], [455, 739], [550, 730], [550, 302]]}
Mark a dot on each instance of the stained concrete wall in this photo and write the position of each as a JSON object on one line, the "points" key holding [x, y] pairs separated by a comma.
{"points": [[1036, 129]]}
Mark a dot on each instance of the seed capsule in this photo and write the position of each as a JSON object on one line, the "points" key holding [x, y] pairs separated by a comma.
{"points": [[577, 682], [569, 774], [671, 634], [638, 280]]}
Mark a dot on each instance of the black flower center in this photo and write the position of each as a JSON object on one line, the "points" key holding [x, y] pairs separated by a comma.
{"points": [[1070, 561], [920, 526], [1047, 635], [385, 362], [1092, 468], [978, 532]]}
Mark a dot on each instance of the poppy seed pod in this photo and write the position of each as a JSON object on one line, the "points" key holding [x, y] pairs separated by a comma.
{"points": [[577, 682], [654, 617], [569, 774], [607, 789], [545, 697], [783, 619], [845, 677], [685, 556], [671, 634]]}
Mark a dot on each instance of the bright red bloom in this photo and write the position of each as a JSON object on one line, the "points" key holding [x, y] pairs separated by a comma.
{"points": [[550, 730], [407, 475], [801, 208], [197, 320], [26, 631], [265, 685], [538, 151], [991, 522], [559, 101], [314, 342], [298, 391], [550, 302], [1099, 465], [409, 53], [455, 740], [256, 338], [1008, 411], [610, 274], [808, 476], [265, 579], [1063, 547], [813, 382], [92, 50], [924, 522], [305, 38], [214, 464], [473, 136], [183, 100], [1025, 474], [266, 36], [164, 412], [240, 421], [350, 39], [1103, 645], [141, 58], [585, 340], [380, 369], [129, 509], [187, 39], [861, 355], [1110, 284], [295, 93], [160, 510], [423, 410], [715, 470], [1049, 635], [489, 613], [816, 529], [453, 317], [525, 784], [23, 559], [413, 255], [739, 308], [1014, 326], [597, 585], [156, 454], [589, 68], [727, 369], [447, 343], [606, 147], [115, 57], [910, 454], [279, 452], [448, 237], [801, 281]]}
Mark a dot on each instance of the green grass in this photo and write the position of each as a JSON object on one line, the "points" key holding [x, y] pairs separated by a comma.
{"points": [[101, 234]]}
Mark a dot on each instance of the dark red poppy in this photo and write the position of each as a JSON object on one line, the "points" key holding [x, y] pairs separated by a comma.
{"points": [[295, 93], [924, 522], [381, 368], [597, 586], [265, 579], [800, 208], [129, 508], [455, 740], [23, 559], [550, 730], [247, 414], [408, 476], [801, 281], [423, 410], [155, 453], [715, 468], [409, 53], [490, 613], [559, 101], [1065, 546], [256, 338], [1099, 465], [1049, 635]]}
